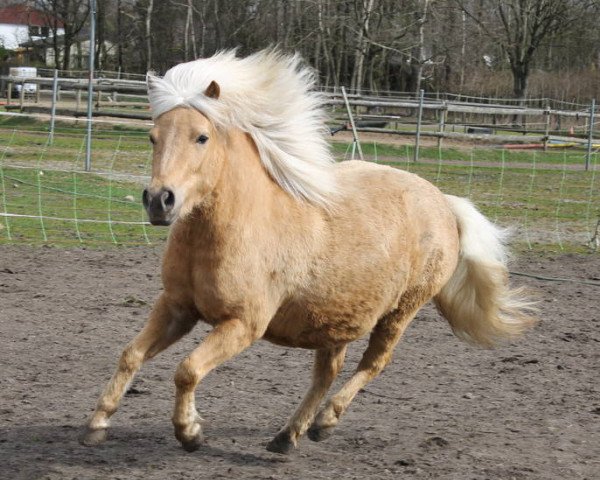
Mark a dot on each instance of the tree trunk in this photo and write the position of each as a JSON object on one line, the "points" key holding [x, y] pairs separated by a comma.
{"points": [[149, 35], [463, 49], [520, 73], [189, 37], [202, 28], [418, 59], [186, 33], [192, 31], [280, 24], [341, 73], [317, 54], [56, 48], [119, 37], [362, 46], [67, 42], [217, 25], [325, 35], [100, 33]]}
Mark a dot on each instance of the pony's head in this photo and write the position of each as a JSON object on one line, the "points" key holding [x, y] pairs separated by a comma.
{"points": [[268, 96], [187, 159]]}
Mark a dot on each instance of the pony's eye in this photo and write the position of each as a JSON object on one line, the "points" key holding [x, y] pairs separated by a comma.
{"points": [[202, 139], [152, 141]]}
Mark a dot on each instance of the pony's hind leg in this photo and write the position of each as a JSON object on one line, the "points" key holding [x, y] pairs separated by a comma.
{"points": [[328, 363], [382, 341], [167, 324]]}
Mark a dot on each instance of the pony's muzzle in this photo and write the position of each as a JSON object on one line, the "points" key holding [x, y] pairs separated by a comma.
{"points": [[159, 205]]}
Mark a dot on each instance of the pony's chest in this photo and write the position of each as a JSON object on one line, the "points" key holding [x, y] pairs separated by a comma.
{"points": [[217, 287], [221, 293]]}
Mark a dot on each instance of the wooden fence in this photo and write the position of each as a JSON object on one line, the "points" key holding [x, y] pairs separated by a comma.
{"points": [[477, 120]]}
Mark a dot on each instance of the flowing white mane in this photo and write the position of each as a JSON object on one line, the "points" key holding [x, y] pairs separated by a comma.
{"points": [[270, 96]]}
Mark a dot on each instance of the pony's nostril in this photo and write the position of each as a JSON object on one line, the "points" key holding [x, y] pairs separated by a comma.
{"points": [[145, 198], [168, 199]]}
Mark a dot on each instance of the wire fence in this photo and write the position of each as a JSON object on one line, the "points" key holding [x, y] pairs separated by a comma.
{"points": [[441, 115], [47, 197]]}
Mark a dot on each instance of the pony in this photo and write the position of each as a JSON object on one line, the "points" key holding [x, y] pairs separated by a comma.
{"points": [[271, 239]]}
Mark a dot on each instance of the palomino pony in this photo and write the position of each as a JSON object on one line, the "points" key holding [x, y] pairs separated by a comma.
{"points": [[272, 239]]}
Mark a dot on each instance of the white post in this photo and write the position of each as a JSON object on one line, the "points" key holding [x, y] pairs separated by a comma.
{"points": [[92, 47], [53, 108], [419, 118], [22, 96], [442, 123], [547, 115], [351, 118], [588, 154]]}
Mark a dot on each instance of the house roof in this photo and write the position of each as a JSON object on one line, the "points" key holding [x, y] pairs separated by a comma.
{"points": [[24, 15]]}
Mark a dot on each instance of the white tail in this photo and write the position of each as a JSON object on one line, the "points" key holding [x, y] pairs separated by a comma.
{"points": [[477, 300]]}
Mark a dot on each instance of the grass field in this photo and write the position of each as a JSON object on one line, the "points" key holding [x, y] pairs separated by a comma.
{"points": [[46, 197]]}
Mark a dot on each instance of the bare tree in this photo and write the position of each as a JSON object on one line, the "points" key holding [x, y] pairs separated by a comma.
{"points": [[189, 37], [71, 15], [148, 31], [418, 56], [364, 9], [119, 35], [473, 46], [520, 27], [100, 33]]}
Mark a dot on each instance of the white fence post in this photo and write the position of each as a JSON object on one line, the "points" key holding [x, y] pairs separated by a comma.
{"points": [[419, 118], [53, 107], [547, 116], [22, 97], [88, 142], [354, 133], [588, 153], [442, 124]]}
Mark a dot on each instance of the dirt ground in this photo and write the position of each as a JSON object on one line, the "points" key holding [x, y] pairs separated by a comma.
{"points": [[441, 410]]}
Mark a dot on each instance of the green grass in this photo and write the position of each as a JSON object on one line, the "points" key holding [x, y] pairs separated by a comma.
{"points": [[76, 208], [79, 207], [114, 149], [552, 204], [479, 155]]}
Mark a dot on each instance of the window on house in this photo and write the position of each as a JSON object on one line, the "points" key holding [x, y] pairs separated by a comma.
{"points": [[45, 31], [34, 31]]}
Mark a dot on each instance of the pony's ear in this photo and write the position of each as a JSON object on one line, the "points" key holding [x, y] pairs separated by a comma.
{"points": [[213, 90]]}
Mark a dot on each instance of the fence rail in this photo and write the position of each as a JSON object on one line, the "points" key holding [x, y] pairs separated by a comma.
{"points": [[444, 116], [433, 95]]}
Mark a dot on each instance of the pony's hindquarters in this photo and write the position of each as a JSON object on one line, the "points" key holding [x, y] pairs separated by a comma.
{"points": [[477, 300]]}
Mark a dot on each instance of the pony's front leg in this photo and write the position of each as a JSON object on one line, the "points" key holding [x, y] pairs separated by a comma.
{"points": [[328, 363], [168, 323], [226, 340]]}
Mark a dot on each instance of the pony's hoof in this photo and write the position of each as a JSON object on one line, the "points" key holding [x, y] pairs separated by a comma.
{"points": [[318, 434], [281, 443], [91, 437], [193, 444]]}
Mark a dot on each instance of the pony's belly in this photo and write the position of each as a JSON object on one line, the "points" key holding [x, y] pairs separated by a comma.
{"points": [[310, 327]]}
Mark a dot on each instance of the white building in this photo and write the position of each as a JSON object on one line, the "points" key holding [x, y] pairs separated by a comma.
{"points": [[20, 24]]}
